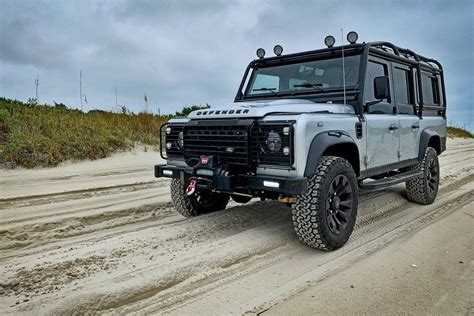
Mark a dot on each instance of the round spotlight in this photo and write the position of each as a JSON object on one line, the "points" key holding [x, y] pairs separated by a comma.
{"points": [[278, 50], [260, 53], [352, 37], [329, 41]]}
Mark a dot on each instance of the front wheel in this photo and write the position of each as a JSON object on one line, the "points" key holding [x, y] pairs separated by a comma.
{"points": [[200, 202], [424, 189], [324, 216]]}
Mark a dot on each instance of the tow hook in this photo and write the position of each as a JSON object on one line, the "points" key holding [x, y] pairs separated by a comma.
{"points": [[191, 187], [286, 199]]}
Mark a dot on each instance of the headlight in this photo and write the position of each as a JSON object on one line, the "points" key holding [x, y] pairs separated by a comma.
{"points": [[273, 142]]}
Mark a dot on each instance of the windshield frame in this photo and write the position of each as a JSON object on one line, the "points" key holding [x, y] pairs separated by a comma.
{"points": [[256, 64]]}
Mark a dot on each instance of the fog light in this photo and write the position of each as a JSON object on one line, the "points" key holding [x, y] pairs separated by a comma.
{"points": [[286, 151], [271, 184], [168, 130], [286, 131], [168, 145]]}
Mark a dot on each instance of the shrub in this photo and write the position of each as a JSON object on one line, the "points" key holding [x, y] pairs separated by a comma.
{"points": [[40, 135]]}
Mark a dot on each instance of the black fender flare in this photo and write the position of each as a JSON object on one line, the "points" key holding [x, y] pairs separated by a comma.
{"points": [[426, 135], [320, 143]]}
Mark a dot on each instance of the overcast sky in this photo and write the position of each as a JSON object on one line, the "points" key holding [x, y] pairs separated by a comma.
{"points": [[195, 52]]}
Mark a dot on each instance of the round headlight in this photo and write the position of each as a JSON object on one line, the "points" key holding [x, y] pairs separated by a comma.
{"points": [[168, 145], [168, 130], [352, 37], [260, 53], [329, 41], [278, 50], [181, 140], [273, 142]]}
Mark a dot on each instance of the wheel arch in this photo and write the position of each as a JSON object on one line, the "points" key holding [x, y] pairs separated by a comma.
{"points": [[429, 138], [332, 143]]}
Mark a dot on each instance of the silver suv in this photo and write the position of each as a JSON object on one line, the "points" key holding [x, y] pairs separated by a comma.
{"points": [[312, 130]]}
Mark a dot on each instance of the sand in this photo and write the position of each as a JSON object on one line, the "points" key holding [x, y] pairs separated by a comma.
{"points": [[102, 236]]}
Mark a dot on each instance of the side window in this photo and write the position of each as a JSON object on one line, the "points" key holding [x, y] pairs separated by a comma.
{"points": [[402, 89], [430, 89], [401, 85], [374, 70]]}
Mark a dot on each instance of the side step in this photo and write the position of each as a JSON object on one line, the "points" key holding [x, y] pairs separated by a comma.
{"points": [[389, 181]]}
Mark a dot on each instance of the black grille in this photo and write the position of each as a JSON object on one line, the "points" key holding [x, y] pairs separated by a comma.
{"points": [[228, 140], [261, 155]]}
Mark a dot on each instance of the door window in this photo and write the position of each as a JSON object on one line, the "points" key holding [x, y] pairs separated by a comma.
{"points": [[402, 88], [374, 70]]}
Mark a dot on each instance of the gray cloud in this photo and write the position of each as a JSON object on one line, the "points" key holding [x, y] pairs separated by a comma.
{"points": [[192, 52]]}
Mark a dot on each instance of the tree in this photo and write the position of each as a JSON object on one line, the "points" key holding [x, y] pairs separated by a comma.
{"points": [[188, 109]]}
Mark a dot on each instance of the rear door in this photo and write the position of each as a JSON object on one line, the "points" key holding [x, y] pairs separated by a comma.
{"points": [[383, 139], [402, 77]]}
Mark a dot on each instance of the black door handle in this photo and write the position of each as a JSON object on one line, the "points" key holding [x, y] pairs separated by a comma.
{"points": [[393, 127], [415, 126]]}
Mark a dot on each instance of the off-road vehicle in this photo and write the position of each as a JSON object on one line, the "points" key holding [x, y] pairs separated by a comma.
{"points": [[312, 130]]}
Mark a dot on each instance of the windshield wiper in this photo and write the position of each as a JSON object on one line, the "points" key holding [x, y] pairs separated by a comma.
{"points": [[272, 90], [310, 85]]}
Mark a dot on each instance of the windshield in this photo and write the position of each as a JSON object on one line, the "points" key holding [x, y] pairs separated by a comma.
{"points": [[309, 76]]}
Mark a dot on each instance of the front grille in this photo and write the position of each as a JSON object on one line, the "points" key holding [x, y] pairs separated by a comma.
{"points": [[228, 140], [259, 137]]}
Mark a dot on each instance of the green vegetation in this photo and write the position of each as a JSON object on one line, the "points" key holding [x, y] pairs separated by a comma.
{"points": [[188, 109], [34, 135], [456, 131]]}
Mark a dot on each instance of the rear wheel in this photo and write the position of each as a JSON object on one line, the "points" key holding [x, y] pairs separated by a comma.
{"points": [[325, 215], [200, 202], [424, 189]]}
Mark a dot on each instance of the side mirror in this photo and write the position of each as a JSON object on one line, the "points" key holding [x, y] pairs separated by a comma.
{"points": [[381, 88]]}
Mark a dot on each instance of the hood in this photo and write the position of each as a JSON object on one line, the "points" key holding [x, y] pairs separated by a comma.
{"points": [[267, 107]]}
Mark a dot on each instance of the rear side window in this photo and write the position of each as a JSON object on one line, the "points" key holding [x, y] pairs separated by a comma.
{"points": [[430, 89], [401, 85]]}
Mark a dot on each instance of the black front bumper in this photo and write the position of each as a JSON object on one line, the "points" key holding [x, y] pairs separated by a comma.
{"points": [[234, 183]]}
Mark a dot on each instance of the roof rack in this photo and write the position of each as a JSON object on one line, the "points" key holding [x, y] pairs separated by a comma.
{"points": [[416, 60], [405, 53]]}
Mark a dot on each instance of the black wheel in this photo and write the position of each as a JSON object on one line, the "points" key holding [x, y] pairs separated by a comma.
{"points": [[201, 202], [423, 190], [325, 215]]}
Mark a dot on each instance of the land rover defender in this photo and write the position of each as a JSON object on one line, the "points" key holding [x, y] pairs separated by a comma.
{"points": [[312, 130]]}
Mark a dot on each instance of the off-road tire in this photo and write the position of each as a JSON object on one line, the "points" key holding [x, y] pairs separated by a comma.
{"points": [[188, 206], [310, 211], [418, 189]]}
